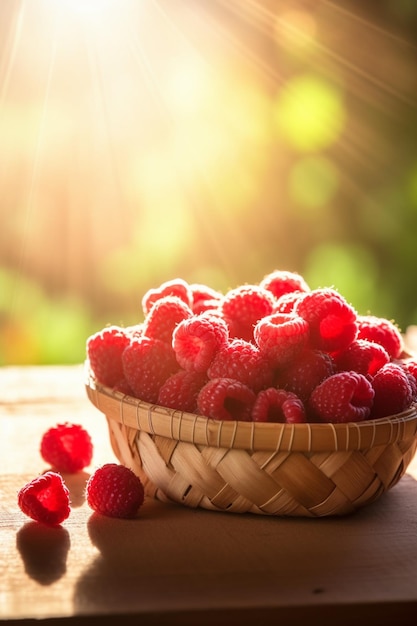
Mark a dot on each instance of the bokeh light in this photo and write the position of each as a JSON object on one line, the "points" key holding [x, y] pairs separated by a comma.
{"points": [[214, 140]]}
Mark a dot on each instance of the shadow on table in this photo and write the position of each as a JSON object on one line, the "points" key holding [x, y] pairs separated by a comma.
{"points": [[44, 551]]}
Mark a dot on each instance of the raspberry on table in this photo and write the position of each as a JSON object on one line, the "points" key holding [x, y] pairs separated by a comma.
{"points": [[393, 391], [165, 314], [104, 352], [180, 390], [332, 321], [382, 331], [176, 287], [196, 340], [243, 307], [226, 399], [147, 363], [243, 361], [115, 491], [363, 356], [278, 405], [305, 372], [281, 337], [343, 397], [67, 447], [280, 282], [45, 499]]}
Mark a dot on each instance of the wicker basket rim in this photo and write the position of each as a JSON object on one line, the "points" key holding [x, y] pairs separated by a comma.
{"points": [[199, 430]]}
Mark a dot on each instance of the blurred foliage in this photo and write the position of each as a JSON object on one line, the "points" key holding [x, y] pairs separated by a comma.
{"points": [[215, 140]]}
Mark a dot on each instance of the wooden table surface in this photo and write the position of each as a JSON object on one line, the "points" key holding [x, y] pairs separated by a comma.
{"points": [[174, 565]]}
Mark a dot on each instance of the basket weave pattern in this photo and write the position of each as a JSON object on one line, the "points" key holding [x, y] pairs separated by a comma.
{"points": [[309, 470]]}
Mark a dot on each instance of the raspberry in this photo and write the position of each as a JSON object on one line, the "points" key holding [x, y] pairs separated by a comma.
{"points": [[195, 341], [343, 397], [204, 298], [45, 499], [280, 282], [280, 337], [382, 331], [176, 287], [286, 303], [115, 491], [410, 367], [104, 352], [393, 391], [226, 399], [305, 372], [278, 405], [67, 447], [164, 316], [243, 307], [365, 357], [332, 320], [180, 390], [243, 361], [147, 363]]}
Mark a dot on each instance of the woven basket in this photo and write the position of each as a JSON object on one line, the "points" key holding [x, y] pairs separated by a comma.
{"points": [[310, 470]]}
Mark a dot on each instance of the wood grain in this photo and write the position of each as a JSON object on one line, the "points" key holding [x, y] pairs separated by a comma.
{"points": [[175, 565]]}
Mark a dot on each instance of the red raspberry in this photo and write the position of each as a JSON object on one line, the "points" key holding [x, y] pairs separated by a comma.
{"points": [[45, 499], [177, 287], [305, 372], [343, 397], [67, 447], [243, 361], [286, 303], [281, 337], [115, 491], [243, 307], [195, 341], [393, 391], [164, 316], [104, 352], [226, 399], [280, 282], [381, 331], [180, 390], [147, 363], [332, 320], [365, 357], [204, 298], [278, 405], [410, 367]]}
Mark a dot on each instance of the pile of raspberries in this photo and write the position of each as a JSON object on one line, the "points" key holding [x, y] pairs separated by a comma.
{"points": [[276, 351]]}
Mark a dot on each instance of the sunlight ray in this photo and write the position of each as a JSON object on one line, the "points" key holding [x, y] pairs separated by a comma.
{"points": [[10, 58]]}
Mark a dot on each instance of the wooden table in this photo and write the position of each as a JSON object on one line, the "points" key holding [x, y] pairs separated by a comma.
{"points": [[174, 565]]}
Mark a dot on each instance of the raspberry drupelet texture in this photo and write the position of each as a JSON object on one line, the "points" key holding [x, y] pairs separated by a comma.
{"points": [[305, 372], [343, 397], [281, 337], [45, 499], [280, 282], [243, 361], [204, 298], [243, 307], [278, 405], [180, 390], [164, 316], [115, 491], [365, 357], [382, 331], [195, 341], [67, 447], [332, 321], [147, 363], [104, 352], [393, 391], [286, 303], [226, 399], [176, 287]]}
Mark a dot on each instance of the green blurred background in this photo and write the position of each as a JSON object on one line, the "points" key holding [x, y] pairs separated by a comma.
{"points": [[214, 140]]}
